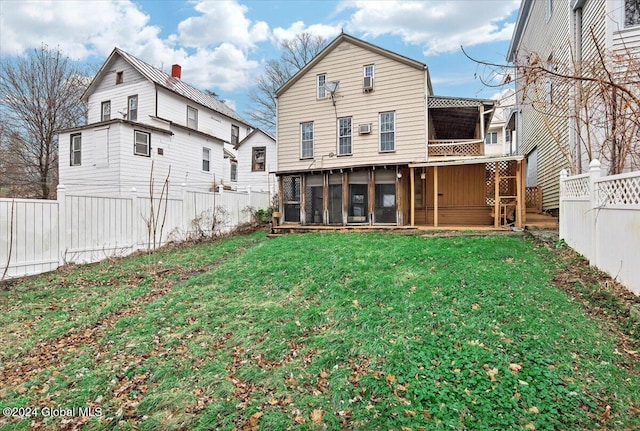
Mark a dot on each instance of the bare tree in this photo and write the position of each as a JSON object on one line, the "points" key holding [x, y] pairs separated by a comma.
{"points": [[40, 95], [297, 52]]}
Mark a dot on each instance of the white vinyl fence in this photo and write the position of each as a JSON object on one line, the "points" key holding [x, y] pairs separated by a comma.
{"points": [[600, 219], [39, 235]]}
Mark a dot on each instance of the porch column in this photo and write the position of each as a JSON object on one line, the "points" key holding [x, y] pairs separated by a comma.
{"points": [[280, 197], [481, 108], [303, 199], [371, 188], [435, 196], [345, 197], [325, 198], [496, 196], [519, 195], [412, 195]]}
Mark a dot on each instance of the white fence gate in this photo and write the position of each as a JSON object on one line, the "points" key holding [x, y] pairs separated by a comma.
{"points": [[39, 235], [600, 219]]}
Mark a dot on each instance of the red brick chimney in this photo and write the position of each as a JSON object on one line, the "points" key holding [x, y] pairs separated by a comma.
{"points": [[176, 71]]}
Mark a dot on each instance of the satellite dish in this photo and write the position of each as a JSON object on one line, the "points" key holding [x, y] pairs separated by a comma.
{"points": [[332, 86]]}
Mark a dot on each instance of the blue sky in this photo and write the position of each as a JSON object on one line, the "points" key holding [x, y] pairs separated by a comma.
{"points": [[223, 45]]}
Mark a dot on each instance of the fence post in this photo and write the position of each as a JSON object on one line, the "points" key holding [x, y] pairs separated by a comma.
{"points": [[563, 219], [186, 211], [134, 219], [62, 223], [594, 174]]}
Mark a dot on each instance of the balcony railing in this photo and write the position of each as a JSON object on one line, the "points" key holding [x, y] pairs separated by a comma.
{"points": [[456, 147]]}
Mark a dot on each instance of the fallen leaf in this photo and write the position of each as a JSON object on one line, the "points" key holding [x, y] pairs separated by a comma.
{"points": [[530, 426], [607, 413], [316, 416], [533, 409], [492, 373], [299, 419], [390, 378], [410, 413], [475, 306], [515, 368], [426, 414], [253, 420]]}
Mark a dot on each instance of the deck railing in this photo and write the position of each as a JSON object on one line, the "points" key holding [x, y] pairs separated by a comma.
{"points": [[456, 147], [533, 199]]}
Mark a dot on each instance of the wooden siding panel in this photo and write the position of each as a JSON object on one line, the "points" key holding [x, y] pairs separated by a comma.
{"points": [[397, 87]]}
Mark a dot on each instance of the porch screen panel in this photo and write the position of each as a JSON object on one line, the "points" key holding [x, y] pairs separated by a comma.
{"points": [[291, 198], [313, 199], [385, 198], [358, 197], [335, 199]]}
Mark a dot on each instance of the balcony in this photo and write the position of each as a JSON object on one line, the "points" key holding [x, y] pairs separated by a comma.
{"points": [[455, 147]]}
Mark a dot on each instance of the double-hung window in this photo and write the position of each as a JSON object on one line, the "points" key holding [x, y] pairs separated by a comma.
{"points": [[76, 150], [491, 138], [106, 111], [259, 155], [387, 131], [306, 140], [132, 112], [235, 135], [368, 77], [322, 92], [344, 136], [234, 170], [192, 117], [206, 157], [142, 143]]}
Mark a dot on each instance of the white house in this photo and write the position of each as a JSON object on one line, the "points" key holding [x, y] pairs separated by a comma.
{"points": [[498, 139], [257, 161], [145, 126]]}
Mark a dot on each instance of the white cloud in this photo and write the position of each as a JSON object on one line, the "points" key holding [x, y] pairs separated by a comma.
{"points": [[326, 31], [438, 26], [221, 21]]}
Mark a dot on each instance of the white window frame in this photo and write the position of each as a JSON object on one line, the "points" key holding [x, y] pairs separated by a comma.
{"points": [[255, 161], [387, 132], [487, 139], [233, 171], [321, 81], [206, 159], [306, 145], [192, 120], [137, 133], [132, 112], [369, 70], [235, 137], [75, 149], [105, 110], [119, 77], [347, 135]]}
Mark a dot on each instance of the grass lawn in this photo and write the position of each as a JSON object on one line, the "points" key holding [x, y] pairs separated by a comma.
{"points": [[317, 331]]}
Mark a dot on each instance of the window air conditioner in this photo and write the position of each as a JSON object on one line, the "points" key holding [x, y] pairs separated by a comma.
{"points": [[365, 129], [367, 85]]}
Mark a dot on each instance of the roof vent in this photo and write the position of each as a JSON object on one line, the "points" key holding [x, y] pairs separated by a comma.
{"points": [[176, 71]]}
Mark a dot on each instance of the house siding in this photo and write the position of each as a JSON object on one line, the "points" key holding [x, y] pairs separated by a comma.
{"points": [[397, 87], [257, 180]]}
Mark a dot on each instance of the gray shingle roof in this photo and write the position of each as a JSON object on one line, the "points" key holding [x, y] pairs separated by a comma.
{"points": [[180, 87]]}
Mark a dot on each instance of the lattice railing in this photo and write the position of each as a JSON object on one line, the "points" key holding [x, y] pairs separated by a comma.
{"points": [[507, 184], [291, 188], [533, 198], [619, 191], [576, 187], [453, 147]]}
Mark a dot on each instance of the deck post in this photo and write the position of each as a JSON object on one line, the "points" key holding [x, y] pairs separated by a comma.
{"points": [[435, 196], [280, 197], [371, 188], [325, 198], [496, 195], [412, 195], [519, 195], [303, 199], [345, 197]]}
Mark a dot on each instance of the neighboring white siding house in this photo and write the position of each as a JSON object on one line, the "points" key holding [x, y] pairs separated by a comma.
{"points": [[257, 162], [146, 126], [498, 140]]}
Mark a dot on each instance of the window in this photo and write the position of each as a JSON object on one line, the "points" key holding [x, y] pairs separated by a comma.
{"points": [[119, 77], [258, 159], [206, 156], [549, 10], [321, 88], [192, 117], [368, 77], [132, 113], [106, 111], [631, 13], [235, 135], [491, 138], [234, 170], [368, 70], [306, 140], [76, 150], [387, 131], [142, 144], [344, 136]]}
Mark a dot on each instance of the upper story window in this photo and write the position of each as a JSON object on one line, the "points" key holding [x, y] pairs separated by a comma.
{"points": [[367, 83], [491, 138], [234, 170], [235, 135], [206, 157], [631, 13], [322, 92], [549, 10], [387, 131], [306, 140], [192, 117], [142, 143], [76, 150], [132, 111], [258, 159], [119, 77], [106, 111], [344, 136]]}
